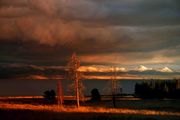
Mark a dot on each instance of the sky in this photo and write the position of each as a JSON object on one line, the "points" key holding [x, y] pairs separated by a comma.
{"points": [[139, 37]]}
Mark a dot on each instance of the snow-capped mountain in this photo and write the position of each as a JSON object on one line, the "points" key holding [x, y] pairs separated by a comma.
{"points": [[142, 68], [165, 69]]}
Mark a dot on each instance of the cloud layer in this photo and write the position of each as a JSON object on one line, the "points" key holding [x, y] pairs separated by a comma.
{"points": [[27, 71], [121, 32]]}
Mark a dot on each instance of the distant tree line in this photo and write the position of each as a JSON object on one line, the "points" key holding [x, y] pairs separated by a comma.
{"points": [[158, 89]]}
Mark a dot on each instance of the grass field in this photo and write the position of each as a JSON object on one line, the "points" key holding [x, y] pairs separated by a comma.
{"points": [[18, 109]]}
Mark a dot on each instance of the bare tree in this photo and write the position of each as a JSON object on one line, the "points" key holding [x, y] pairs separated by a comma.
{"points": [[59, 94], [75, 75], [114, 85]]}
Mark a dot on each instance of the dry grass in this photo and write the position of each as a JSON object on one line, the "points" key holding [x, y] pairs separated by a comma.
{"points": [[55, 108], [33, 108]]}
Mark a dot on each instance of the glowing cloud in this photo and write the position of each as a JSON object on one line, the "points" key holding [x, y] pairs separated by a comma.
{"points": [[101, 69], [166, 69], [142, 68]]}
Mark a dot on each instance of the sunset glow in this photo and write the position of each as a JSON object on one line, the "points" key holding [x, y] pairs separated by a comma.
{"points": [[67, 59], [102, 33]]}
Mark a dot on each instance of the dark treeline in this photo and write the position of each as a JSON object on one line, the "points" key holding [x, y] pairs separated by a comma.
{"points": [[158, 89]]}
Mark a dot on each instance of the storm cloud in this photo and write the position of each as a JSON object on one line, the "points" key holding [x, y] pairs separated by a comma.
{"points": [[120, 32]]}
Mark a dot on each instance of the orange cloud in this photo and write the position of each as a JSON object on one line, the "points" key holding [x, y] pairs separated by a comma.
{"points": [[101, 68]]}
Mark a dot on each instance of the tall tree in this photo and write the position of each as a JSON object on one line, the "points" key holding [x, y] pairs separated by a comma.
{"points": [[75, 75]]}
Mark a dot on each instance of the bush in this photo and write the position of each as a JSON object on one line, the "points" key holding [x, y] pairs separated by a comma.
{"points": [[95, 95], [50, 96]]}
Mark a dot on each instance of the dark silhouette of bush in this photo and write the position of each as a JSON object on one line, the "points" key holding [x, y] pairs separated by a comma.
{"points": [[95, 95], [157, 89], [50, 96]]}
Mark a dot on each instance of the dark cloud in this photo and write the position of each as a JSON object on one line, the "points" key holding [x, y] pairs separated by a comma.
{"points": [[100, 31], [25, 71]]}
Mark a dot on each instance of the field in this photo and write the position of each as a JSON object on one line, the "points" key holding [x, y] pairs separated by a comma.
{"points": [[32, 109]]}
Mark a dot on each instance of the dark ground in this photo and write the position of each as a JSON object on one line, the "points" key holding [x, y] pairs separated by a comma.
{"points": [[44, 115]]}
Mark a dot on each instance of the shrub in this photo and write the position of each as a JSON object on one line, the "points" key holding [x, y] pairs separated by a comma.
{"points": [[95, 95], [50, 96]]}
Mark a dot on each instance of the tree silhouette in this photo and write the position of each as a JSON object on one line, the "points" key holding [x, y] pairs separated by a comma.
{"points": [[95, 95], [157, 89], [50, 96]]}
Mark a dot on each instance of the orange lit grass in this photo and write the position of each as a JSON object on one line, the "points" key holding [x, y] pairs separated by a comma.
{"points": [[55, 108]]}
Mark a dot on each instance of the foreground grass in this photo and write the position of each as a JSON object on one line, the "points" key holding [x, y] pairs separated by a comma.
{"points": [[52, 112], [55, 108], [165, 105], [34, 109]]}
